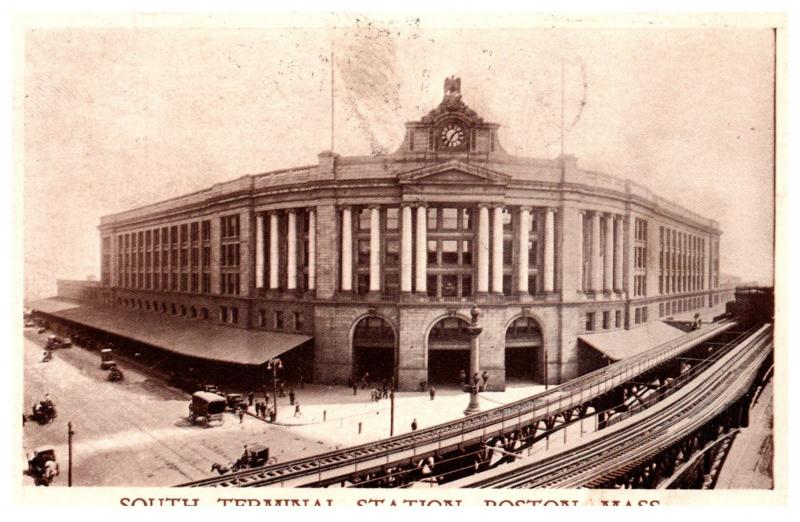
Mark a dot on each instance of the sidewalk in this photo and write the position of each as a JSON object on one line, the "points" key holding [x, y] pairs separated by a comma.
{"points": [[749, 461]]}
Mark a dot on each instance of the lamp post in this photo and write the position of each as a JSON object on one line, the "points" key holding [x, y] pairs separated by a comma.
{"points": [[474, 330], [70, 433], [274, 365]]}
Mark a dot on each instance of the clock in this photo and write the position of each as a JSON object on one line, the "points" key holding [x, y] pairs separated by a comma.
{"points": [[453, 136]]}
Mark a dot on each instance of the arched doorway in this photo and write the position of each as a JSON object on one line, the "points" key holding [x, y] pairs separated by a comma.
{"points": [[524, 355], [448, 351], [373, 349]]}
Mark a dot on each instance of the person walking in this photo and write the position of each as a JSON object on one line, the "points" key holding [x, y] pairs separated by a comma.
{"points": [[355, 387], [297, 410], [414, 425], [302, 384], [282, 389], [432, 392], [241, 415], [485, 377]]}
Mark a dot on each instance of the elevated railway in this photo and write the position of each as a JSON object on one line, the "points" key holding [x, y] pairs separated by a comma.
{"points": [[559, 403], [645, 450]]}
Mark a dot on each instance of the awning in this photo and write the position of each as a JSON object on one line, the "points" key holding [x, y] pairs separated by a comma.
{"points": [[52, 305], [191, 337], [621, 344]]}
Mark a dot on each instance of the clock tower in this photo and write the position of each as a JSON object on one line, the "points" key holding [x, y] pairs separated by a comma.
{"points": [[451, 128]]}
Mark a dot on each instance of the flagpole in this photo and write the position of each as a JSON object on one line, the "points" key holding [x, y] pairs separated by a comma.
{"points": [[562, 106], [332, 107]]}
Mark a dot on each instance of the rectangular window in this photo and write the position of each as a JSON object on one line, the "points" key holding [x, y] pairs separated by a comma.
{"points": [[466, 218], [533, 253], [606, 320], [392, 253], [507, 224], [234, 315], [206, 289], [432, 283], [637, 313], [449, 218], [644, 314], [184, 282], [590, 322], [508, 252], [363, 219], [392, 218], [223, 314], [391, 283], [507, 290], [449, 252], [449, 285], [433, 218], [279, 320], [466, 252], [618, 319], [262, 318], [363, 283], [363, 252], [432, 260], [195, 283], [532, 288], [205, 230], [194, 231], [466, 286], [299, 322]]}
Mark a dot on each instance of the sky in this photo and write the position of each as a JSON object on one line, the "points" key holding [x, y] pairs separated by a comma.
{"points": [[118, 117]]}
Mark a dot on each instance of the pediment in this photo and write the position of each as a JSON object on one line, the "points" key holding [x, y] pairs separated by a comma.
{"points": [[454, 172]]}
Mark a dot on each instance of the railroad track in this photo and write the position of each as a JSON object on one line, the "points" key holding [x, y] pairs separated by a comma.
{"points": [[328, 466], [634, 442]]}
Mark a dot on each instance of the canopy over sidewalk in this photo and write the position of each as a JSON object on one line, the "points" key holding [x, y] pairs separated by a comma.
{"points": [[622, 344], [191, 337]]}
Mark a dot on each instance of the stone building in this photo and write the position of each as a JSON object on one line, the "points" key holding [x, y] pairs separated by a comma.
{"points": [[381, 258]]}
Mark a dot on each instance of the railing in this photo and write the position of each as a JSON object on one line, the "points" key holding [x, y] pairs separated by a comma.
{"points": [[532, 409]]}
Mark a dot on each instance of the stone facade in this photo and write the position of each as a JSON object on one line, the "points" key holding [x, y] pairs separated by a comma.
{"points": [[448, 222]]}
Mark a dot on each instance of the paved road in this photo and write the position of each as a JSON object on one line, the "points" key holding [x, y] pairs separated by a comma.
{"points": [[135, 432]]}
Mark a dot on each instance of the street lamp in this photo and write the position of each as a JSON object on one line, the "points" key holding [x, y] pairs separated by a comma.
{"points": [[474, 330], [274, 365]]}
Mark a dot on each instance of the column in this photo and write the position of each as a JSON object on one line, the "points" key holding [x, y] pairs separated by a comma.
{"points": [[595, 281], [312, 249], [523, 238], [347, 250], [406, 250], [549, 250], [497, 250], [259, 250], [618, 254], [273, 251], [291, 251], [608, 255], [374, 249], [422, 259], [483, 249]]}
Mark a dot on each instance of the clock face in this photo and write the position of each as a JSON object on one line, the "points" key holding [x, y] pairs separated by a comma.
{"points": [[453, 136]]}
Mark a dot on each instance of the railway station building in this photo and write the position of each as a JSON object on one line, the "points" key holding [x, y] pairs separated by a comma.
{"points": [[374, 263]]}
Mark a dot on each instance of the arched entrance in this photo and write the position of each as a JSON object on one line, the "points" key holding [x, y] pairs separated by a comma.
{"points": [[448, 351], [373, 349], [524, 355]]}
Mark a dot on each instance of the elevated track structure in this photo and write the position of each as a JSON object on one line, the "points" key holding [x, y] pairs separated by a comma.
{"points": [[675, 437], [446, 452]]}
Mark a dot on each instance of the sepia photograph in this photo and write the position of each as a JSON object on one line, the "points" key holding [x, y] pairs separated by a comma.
{"points": [[437, 255]]}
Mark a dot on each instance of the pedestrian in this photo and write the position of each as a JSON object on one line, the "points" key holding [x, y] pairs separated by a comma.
{"points": [[414, 425], [250, 398], [432, 392], [485, 376], [291, 397], [297, 410], [302, 384], [385, 389], [241, 415], [355, 387], [462, 374], [260, 409]]}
